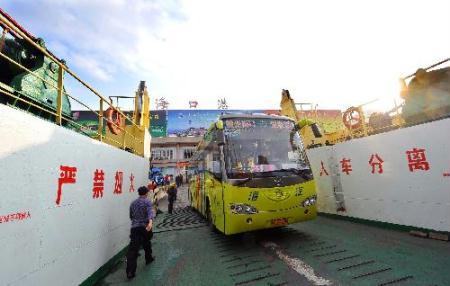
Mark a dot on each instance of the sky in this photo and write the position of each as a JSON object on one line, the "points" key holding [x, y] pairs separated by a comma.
{"points": [[332, 53]]}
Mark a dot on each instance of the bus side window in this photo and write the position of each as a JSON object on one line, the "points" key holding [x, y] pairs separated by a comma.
{"points": [[216, 169], [214, 164]]}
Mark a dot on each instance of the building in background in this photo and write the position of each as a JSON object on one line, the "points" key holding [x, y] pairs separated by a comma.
{"points": [[172, 154]]}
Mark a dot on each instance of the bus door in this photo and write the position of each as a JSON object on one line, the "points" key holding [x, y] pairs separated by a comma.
{"points": [[215, 190], [201, 188]]}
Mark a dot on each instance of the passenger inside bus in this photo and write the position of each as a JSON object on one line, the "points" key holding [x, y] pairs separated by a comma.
{"points": [[256, 150], [262, 160]]}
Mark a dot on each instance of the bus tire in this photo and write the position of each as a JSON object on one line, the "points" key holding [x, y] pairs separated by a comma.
{"points": [[208, 215]]}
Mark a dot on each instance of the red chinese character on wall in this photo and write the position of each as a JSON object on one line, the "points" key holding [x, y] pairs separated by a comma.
{"points": [[346, 166], [67, 176], [417, 160], [446, 174], [99, 184], [118, 182], [376, 161], [131, 183], [323, 171]]}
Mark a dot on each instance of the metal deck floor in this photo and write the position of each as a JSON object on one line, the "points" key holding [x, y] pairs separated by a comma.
{"points": [[343, 253]]}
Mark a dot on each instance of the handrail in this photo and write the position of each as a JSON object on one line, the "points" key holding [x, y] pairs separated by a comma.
{"points": [[26, 69], [65, 118], [60, 64], [427, 68], [75, 99], [10, 27]]}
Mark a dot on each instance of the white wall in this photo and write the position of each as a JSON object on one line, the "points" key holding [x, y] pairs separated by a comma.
{"points": [[419, 198], [59, 244]]}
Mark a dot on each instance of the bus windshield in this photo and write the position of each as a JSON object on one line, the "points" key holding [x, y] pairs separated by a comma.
{"points": [[262, 147]]}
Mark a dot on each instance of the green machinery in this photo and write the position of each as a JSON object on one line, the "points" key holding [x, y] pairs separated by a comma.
{"points": [[37, 87], [427, 96]]}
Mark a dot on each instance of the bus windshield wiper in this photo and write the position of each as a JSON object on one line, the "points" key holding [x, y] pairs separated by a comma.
{"points": [[266, 174], [243, 181], [292, 170], [305, 173]]}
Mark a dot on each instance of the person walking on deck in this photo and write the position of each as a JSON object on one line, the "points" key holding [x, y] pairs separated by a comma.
{"points": [[141, 216], [172, 196], [178, 180], [166, 180]]}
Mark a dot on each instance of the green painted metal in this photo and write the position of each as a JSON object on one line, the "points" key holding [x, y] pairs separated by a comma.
{"points": [[105, 269], [380, 224], [425, 261], [197, 255], [27, 85], [346, 253]]}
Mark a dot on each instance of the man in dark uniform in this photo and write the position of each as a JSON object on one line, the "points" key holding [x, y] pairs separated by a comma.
{"points": [[172, 196], [141, 215]]}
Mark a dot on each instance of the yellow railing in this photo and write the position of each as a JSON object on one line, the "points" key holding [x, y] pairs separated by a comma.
{"points": [[59, 117], [370, 125]]}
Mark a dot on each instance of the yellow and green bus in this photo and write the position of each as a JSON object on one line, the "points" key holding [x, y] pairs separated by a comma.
{"points": [[250, 173]]}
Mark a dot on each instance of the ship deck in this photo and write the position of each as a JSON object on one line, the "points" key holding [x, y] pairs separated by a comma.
{"points": [[339, 252]]}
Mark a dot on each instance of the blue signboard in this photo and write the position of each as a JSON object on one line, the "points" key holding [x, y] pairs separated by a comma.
{"points": [[193, 122]]}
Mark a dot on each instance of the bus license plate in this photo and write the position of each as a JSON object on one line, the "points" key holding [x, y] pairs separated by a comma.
{"points": [[279, 221]]}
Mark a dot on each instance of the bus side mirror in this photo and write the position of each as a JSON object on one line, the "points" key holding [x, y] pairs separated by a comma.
{"points": [[219, 124], [219, 139], [316, 130]]}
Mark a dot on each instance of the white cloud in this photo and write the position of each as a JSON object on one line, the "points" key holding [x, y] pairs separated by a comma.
{"points": [[91, 65], [98, 35], [334, 53]]}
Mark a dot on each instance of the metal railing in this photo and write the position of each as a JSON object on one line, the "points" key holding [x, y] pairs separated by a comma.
{"points": [[392, 120], [9, 27]]}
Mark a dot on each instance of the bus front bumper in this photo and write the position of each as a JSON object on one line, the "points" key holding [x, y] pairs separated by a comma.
{"points": [[237, 223]]}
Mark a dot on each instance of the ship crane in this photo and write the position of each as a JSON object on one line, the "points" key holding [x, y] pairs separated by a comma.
{"points": [[309, 129]]}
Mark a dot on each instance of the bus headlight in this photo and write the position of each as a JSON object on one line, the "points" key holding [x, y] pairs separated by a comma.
{"points": [[243, 209], [309, 201]]}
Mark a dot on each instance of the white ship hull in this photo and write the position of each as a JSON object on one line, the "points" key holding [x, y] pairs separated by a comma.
{"points": [[413, 189], [45, 241]]}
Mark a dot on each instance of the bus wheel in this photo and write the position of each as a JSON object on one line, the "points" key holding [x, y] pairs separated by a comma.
{"points": [[209, 217], [208, 214]]}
